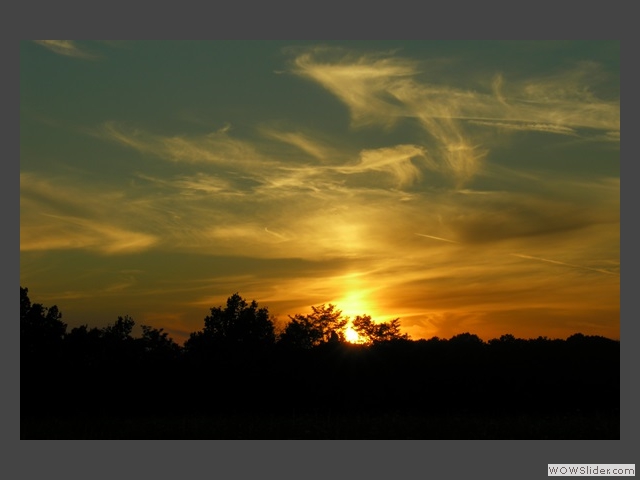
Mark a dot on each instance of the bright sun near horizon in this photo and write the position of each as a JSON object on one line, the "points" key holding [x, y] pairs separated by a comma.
{"points": [[460, 186], [352, 336]]}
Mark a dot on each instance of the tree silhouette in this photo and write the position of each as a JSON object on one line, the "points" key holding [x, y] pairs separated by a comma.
{"points": [[157, 342], [41, 330], [326, 323], [120, 331], [239, 324], [378, 332], [466, 338], [300, 333], [41, 355], [84, 346]]}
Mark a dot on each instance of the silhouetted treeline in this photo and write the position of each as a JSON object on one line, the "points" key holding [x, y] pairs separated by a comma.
{"points": [[238, 362]]}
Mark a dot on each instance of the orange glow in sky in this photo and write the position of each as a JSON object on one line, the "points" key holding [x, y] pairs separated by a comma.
{"points": [[451, 184]]}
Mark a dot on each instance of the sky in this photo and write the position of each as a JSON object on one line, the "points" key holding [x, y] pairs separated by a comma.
{"points": [[460, 186]]}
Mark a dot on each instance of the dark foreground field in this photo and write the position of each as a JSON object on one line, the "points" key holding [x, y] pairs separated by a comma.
{"points": [[438, 390], [310, 426]]}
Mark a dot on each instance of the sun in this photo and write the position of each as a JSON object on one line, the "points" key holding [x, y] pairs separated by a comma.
{"points": [[353, 304], [351, 336]]}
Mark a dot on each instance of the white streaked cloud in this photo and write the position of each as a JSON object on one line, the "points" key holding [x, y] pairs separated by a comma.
{"points": [[380, 90], [197, 184], [309, 212], [68, 48], [556, 262], [436, 238], [364, 84], [613, 136], [396, 161], [316, 149], [217, 148], [403, 163], [54, 232], [531, 127], [56, 215]]}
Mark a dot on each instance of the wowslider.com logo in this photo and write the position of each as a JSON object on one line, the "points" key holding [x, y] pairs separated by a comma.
{"points": [[584, 470]]}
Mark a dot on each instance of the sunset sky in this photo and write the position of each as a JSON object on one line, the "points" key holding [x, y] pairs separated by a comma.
{"points": [[461, 186]]}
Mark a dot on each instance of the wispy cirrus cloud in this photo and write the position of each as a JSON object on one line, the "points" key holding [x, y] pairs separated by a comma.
{"points": [[196, 184], [396, 161], [381, 90], [530, 127], [365, 84], [216, 148], [464, 273], [497, 217], [76, 217], [395, 85], [55, 232], [69, 48], [557, 262], [402, 163], [305, 143], [285, 193]]}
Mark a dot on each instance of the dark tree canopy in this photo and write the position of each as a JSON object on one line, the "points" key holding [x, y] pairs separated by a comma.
{"points": [[300, 333], [466, 339], [376, 332], [120, 330], [239, 323], [326, 323], [157, 341], [40, 327]]}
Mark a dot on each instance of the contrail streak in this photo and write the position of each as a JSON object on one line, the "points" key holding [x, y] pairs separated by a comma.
{"points": [[281, 237], [436, 238], [528, 257]]}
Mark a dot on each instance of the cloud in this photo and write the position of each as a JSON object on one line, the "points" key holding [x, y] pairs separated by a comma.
{"points": [[492, 218], [271, 174], [250, 234], [613, 136], [531, 127], [396, 161], [216, 148], [66, 47], [436, 238], [53, 232], [556, 262], [55, 215], [381, 90], [482, 290], [239, 197], [312, 147], [363, 84], [199, 183], [359, 242]]}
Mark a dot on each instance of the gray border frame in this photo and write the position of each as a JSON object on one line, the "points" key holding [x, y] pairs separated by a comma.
{"points": [[253, 459]]}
